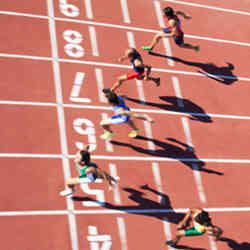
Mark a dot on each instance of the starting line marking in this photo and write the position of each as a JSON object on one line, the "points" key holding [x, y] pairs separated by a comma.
{"points": [[121, 211]]}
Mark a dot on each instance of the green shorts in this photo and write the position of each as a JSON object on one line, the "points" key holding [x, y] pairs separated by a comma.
{"points": [[193, 232]]}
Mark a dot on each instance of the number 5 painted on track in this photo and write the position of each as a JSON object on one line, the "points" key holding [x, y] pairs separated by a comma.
{"points": [[69, 10]]}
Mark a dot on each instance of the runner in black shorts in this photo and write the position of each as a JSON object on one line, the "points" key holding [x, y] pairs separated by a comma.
{"points": [[200, 223], [140, 70]]}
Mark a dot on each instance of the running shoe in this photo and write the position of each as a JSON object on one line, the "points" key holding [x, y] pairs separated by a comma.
{"points": [[146, 48], [67, 192], [158, 82], [134, 133], [170, 243], [106, 135]]}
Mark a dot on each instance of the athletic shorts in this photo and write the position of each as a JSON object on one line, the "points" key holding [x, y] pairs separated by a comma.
{"points": [[178, 39], [89, 178], [133, 75], [118, 119], [193, 232]]}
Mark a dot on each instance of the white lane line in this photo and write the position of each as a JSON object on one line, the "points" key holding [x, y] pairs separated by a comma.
{"points": [[125, 158], [210, 7], [148, 130], [123, 27], [93, 41], [61, 120], [131, 39], [88, 7], [185, 125], [159, 15], [126, 17], [165, 41], [157, 178], [196, 173], [136, 110], [212, 243], [177, 90], [75, 92], [124, 66], [108, 145], [100, 85], [107, 211], [113, 172], [21, 14], [167, 230], [122, 232], [149, 30], [140, 90]]}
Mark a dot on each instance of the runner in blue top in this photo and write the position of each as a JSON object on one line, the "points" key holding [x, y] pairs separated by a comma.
{"points": [[88, 172], [122, 115], [140, 70]]}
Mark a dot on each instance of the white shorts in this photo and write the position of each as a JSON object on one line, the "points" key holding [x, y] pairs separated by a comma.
{"points": [[118, 119]]}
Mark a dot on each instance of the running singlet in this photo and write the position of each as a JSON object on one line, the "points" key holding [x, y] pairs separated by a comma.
{"points": [[83, 170], [179, 30], [198, 226], [137, 69], [120, 105]]}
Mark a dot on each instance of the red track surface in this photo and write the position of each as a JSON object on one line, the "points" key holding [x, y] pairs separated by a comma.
{"points": [[34, 164]]}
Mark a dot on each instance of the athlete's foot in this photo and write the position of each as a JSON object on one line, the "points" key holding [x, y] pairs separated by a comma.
{"points": [[197, 48], [170, 243], [107, 135], [148, 48], [134, 133], [158, 82]]}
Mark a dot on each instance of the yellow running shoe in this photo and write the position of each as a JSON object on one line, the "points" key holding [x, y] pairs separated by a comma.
{"points": [[134, 133], [106, 135]]}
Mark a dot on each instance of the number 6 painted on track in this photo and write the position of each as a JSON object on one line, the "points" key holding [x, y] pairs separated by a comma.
{"points": [[68, 9]]}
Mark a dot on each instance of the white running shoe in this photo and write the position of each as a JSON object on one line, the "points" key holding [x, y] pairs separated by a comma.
{"points": [[67, 192]]}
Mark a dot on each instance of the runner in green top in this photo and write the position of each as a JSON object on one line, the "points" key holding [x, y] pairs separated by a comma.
{"points": [[88, 172], [200, 223]]}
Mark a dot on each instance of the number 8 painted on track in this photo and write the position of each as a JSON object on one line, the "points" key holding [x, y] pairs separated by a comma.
{"points": [[73, 48], [69, 10]]}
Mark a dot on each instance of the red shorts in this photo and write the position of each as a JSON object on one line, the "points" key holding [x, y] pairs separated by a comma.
{"points": [[133, 75]]}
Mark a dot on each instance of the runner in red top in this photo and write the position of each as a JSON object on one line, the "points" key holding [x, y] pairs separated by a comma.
{"points": [[140, 70], [173, 30]]}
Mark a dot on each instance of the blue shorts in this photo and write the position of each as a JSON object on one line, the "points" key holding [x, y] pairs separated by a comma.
{"points": [[118, 119], [178, 39]]}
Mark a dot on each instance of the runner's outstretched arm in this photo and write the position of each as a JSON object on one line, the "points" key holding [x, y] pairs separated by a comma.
{"points": [[181, 13]]}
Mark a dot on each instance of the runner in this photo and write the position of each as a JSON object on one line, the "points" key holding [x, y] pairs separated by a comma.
{"points": [[173, 30], [122, 115], [88, 172], [201, 223], [138, 71]]}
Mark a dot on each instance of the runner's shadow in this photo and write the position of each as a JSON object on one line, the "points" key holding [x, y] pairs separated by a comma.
{"points": [[186, 247], [235, 245], [171, 150], [177, 104], [220, 74], [144, 204]]}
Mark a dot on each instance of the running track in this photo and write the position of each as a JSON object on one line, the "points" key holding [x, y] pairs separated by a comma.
{"points": [[56, 56]]}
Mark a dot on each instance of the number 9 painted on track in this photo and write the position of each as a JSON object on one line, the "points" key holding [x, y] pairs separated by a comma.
{"points": [[69, 10], [73, 48]]}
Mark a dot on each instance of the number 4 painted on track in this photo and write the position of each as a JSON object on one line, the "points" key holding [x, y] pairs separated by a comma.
{"points": [[75, 92]]}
